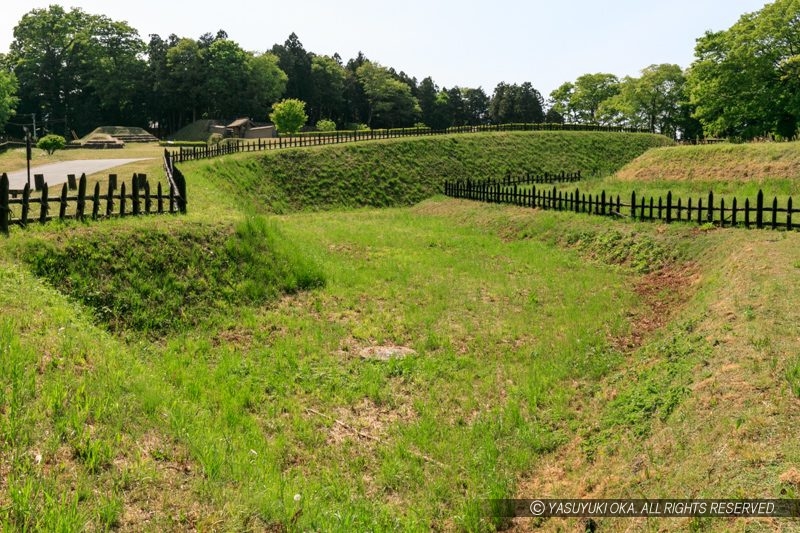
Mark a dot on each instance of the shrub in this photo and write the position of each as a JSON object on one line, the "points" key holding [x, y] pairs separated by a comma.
{"points": [[51, 143], [326, 125], [214, 139], [289, 115]]}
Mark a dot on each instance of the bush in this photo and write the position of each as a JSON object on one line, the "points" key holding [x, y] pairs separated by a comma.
{"points": [[355, 126], [51, 143], [326, 125], [289, 115], [214, 139]]}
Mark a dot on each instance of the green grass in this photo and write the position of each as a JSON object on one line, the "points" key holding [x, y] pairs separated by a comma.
{"points": [[719, 163], [259, 408], [692, 171], [405, 171], [160, 280], [253, 393], [480, 399]]}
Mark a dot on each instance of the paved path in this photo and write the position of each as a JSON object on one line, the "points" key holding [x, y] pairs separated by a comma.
{"points": [[56, 173]]}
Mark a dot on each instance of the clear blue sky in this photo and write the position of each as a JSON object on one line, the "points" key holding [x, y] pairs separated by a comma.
{"points": [[466, 42]]}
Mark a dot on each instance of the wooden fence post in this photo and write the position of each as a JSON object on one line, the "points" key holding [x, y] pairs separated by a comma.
{"points": [[71, 181], [26, 203], [789, 214], [760, 210], [733, 212], [45, 205], [180, 183], [160, 198], [710, 206], [5, 208], [62, 211], [81, 207], [110, 195], [669, 207], [135, 195], [96, 201], [148, 201], [122, 200], [747, 213]]}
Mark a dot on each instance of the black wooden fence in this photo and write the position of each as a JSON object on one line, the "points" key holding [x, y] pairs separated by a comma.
{"points": [[758, 213], [21, 208], [190, 153], [528, 178]]}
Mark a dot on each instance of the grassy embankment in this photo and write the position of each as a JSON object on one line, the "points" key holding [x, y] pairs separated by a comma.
{"points": [[531, 330], [403, 172], [693, 171]]}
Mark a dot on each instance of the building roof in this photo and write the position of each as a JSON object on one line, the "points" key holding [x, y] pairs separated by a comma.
{"points": [[239, 123]]}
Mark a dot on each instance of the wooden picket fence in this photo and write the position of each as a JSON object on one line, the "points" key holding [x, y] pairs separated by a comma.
{"points": [[21, 208], [759, 213], [527, 178]]}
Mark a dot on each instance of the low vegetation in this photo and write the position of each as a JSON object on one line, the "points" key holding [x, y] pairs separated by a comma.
{"points": [[51, 143], [405, 171], [717, 162], [155, 281], [399, 364], [727, 170]]}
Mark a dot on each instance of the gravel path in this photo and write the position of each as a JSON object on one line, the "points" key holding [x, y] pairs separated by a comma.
{"points": [[56, 173]]}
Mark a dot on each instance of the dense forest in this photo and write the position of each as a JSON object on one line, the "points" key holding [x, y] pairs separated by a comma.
{"points": [[71, 71]]}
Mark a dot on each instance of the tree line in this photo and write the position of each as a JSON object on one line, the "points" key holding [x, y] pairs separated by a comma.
{"points": [[72, 71]]}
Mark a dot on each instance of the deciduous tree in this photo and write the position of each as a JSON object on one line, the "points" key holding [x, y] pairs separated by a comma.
{"points": [[744, 82], [289, 115], [8, 97], [76, 69], [390, 101], [590, 90], [328, 78]]}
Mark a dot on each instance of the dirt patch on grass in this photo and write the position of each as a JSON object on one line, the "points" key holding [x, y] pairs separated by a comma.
{"points": [[663, 293], [736, 432], [161, 491], [366, 422], [385, 353]]}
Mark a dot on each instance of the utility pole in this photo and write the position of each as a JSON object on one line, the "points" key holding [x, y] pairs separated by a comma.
{"points": [[33, 116]]}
